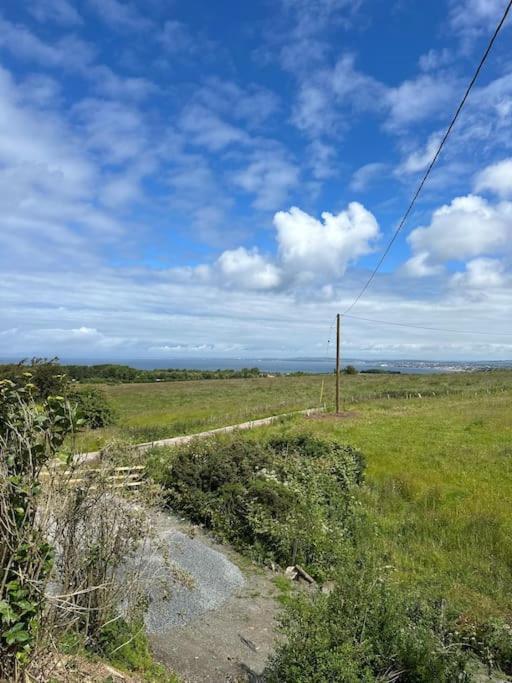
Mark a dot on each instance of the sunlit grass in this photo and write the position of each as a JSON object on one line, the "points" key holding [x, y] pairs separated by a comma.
{"points": [[439, 467], [439, 489], [158, 410]]}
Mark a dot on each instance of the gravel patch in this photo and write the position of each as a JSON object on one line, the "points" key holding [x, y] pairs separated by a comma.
{"points": [[185, 579]]}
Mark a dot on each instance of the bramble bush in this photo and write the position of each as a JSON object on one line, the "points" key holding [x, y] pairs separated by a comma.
{"points": [[282, 500]]}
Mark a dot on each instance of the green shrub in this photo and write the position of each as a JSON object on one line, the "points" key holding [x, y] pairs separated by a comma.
{"points": [[366, 630], [30, 435], [92, 406], [279, 499], [46, 376]]}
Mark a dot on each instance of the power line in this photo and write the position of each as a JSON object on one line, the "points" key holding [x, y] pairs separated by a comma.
{"points": [[432, 329], [434, 159]]}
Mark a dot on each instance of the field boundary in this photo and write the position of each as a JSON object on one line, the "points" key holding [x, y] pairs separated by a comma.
{"points": [[187, 438]]}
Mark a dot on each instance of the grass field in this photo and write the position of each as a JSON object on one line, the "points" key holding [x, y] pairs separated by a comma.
{"points": [[440, 491], [159, 410], [439, 467]]}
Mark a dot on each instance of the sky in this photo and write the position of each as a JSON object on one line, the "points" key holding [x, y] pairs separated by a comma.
{"points": [[218, 179]]}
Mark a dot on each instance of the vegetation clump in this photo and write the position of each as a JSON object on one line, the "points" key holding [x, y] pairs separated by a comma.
{"points": [[366, 630], [286, 499], [30, 434], [92, 407]]}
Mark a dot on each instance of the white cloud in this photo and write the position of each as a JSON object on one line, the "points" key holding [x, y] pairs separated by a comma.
{"points": [[270, 176], [204, 127], [113, 129], [496, 178], [60, 11], [313, 111], [123, 15], [309, 247], [175, 37], [472, 17], [248, 269], [434, 59], [36, 145], [252, 104], [419, 159], [419, 266], [467, 227], [325, 97], [481, 273], [419, 99], [351, 86], [69, 52], [107, 82], [322, 159], [364, 175]]}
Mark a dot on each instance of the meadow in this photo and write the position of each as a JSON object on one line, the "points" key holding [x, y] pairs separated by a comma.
{"points": [[158, 410], [438, 451]]}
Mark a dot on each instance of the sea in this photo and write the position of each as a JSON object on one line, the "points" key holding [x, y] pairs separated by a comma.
{"points": [[307, 365]]}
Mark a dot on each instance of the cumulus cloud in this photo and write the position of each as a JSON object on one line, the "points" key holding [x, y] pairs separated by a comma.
{"points": [[309, 251], [310, 247], [481, 273], [467, 227], [248, 269], [496, 178]]}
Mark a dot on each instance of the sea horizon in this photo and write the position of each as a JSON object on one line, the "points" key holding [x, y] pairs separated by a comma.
{"points": [[310, 365]]}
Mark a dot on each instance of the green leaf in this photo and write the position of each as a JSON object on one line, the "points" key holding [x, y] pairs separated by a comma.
{"points": [[6, 612], [17, 634]]}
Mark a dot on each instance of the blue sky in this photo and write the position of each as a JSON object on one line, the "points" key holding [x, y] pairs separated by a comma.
{"points": [[218, 178]]}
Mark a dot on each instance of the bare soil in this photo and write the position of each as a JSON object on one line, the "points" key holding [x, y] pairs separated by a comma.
{"points": [[231, 641]]}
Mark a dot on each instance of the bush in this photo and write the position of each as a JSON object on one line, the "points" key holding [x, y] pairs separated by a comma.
{"points": [[350, 370], [93, 407], [30, 435], [45, 375], [280, 499], [366, 630]]}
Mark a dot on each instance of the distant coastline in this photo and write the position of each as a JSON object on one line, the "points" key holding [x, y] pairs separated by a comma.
{"points": [[289, 365]]}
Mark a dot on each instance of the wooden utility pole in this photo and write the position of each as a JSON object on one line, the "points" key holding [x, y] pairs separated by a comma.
{"points": [[337, 363]]}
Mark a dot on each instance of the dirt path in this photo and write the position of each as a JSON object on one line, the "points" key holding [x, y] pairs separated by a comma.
{"points": [[221, 626], [180, 440]]}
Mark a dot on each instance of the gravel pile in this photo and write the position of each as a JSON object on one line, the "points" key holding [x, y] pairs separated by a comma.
{"points": [[184, 579]]}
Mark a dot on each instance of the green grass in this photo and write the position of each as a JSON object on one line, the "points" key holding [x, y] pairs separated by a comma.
{"points": [[152, 411], [439, 489], [439, 477]]}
